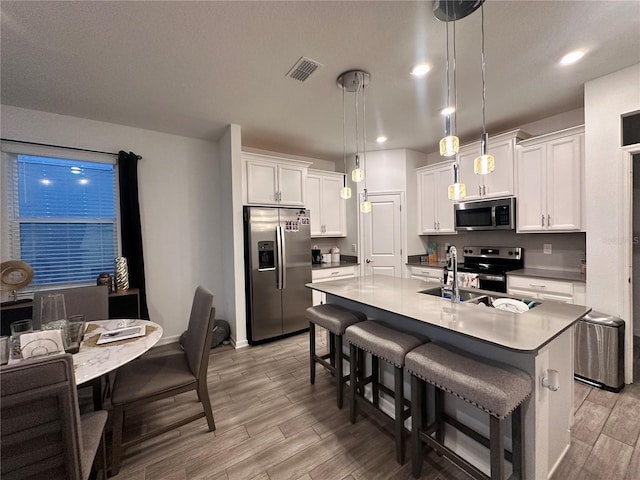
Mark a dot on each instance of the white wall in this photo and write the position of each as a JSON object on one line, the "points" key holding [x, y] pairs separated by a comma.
{"points": [[606, 99], [180, 207]]}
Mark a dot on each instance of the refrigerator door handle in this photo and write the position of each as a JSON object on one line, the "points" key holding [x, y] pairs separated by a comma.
{"points": [[280, 254], [283, 248]]}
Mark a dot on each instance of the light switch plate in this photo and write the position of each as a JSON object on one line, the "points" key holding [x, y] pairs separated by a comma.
{"points": [[547, 249]]}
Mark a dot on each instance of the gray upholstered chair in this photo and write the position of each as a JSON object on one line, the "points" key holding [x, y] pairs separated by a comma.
{"points": [[155, 377], [91, 301], [43, 434]]}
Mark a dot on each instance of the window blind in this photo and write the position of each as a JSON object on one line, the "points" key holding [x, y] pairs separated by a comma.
{"points": [[60, 217]]}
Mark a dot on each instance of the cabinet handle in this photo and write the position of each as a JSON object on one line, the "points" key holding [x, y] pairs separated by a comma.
{"points": [[479, 190], [438, 225], [537, 285], [542, 224], [548, 220], [335, 273], [434, 225], [484, 190]]}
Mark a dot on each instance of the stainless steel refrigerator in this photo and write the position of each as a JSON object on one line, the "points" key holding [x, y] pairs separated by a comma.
{"points": [[277, 252]]}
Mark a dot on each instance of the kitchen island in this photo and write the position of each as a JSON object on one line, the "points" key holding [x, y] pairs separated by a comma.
{"points": [[536, 341]]}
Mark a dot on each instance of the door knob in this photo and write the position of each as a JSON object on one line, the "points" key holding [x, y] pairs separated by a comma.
{"points": [[368, 260]]}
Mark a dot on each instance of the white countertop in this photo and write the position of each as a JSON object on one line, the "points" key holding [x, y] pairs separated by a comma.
{"points": [[565, 275], [527, 331]]}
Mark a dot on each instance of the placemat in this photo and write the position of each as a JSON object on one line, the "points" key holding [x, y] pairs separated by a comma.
{"points": [[91, 342]]}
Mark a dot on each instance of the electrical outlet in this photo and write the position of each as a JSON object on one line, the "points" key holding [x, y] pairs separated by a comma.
{"points": [[547, 249], [354, 248]]}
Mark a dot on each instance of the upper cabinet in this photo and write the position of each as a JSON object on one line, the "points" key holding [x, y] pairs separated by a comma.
{"points": [[435, 210], [274, 181], [328, 211], [549, 172], [500, 182]]}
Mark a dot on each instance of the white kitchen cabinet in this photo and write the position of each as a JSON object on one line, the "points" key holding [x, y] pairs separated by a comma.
{"points": [[328, 210], [498, 183], [435, 210], [274, 181], [546, 289], [549, 172], [432, 275], [328, 274]]}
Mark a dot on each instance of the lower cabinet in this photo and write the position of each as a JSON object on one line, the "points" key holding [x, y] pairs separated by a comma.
{"points": [[328, 274], [431, 275], [546, 289]]}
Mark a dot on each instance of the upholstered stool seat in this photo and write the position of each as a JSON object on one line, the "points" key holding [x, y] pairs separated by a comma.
{"points": [[496, 388], [335, 319], [390, 345]]}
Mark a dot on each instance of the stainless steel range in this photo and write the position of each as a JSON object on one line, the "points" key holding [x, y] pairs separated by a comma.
{"points": [[491, 265]]}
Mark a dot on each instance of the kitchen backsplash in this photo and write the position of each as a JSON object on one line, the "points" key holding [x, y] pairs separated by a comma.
{"points": [[567, 249]]}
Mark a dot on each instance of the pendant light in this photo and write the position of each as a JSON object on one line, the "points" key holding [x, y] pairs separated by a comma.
{"points": [[345, 191], [457, 190], [484, 163], [355, 81], [449, 144]]}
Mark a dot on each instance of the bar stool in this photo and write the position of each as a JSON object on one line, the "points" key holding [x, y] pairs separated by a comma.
{"points": [[496, 388], [390, 345], [335, 319]]}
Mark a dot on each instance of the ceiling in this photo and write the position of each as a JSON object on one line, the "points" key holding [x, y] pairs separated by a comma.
{"points": [[191, 68]]}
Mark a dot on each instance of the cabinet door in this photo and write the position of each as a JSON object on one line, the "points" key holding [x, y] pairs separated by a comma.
{"points": [[499, 183], [530, 182], [427, 183], [313, 203], [262, 183], [473, 182], [444, 206], [564, 171], [291, 183], [333, 208]]}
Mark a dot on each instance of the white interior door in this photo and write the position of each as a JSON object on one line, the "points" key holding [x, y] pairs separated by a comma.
{"points": [[382, 235]]}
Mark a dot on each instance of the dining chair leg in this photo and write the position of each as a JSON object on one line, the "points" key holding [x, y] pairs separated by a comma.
{"points": [[100, 460], [203, 393], [116, 439]]}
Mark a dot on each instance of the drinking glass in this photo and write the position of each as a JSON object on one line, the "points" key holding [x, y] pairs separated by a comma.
{"points": [[17, 329], [53, 315]]}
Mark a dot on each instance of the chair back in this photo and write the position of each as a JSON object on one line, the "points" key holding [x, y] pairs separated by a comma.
{"points": [[198, 340], [92, 301], [40, 420]]}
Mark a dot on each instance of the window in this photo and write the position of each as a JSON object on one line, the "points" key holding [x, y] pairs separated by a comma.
{"points": [[60, 217]]}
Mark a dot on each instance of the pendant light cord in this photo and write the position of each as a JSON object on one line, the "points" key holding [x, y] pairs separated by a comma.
{"points": [[447, 127], [483, 68], [455, 87], [344, 140], [356, 104], [364, 134]]}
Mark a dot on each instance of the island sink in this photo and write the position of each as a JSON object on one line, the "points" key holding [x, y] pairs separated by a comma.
{"points": [[469, 296], [465, 295]]}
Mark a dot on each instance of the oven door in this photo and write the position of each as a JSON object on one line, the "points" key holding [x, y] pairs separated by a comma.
{"points": [[493, 282]]}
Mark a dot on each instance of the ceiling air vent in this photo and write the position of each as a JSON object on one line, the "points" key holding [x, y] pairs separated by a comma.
{"points": [[303, 69]]}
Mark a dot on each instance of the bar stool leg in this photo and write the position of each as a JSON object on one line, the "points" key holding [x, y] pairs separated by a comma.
{"points": [[399, 413], [439, 414], [417, 406], [517, 427], [496, 445], [312, 352], [375, 381], [332, 350], [353, 379], [338, 367]]}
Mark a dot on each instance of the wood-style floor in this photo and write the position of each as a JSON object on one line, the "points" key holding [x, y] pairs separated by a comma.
{"points": [[272, 424]]}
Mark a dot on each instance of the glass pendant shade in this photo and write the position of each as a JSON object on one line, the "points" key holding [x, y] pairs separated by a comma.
{"points": [[365, 206], [357, 175], [485, 163], [457, 191], [449, 146], [345, 193]]}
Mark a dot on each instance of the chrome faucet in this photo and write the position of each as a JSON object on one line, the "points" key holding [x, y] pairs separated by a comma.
{"points": [[453, 265]]}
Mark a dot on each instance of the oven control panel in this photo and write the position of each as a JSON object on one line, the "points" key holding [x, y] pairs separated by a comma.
{"points": [[514, 253]]}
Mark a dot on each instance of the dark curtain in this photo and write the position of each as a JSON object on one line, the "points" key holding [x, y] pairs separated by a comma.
{"points": [[130, 227]]}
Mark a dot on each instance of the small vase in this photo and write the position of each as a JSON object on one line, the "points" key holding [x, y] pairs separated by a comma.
{"points": [[122, 274]]}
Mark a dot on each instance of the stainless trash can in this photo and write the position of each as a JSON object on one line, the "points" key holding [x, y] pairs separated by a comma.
{"points": [[599, 351]]}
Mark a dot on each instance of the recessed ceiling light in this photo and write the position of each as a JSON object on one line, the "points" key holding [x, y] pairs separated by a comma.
{"points": [[381, 139], [420, 69], [45, 181], [572, 57], [76, 170], [83, 181], [447, 110]]}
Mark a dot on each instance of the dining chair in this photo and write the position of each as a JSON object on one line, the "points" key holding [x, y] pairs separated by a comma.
{"points": [[43, 434], [92, 301], [166, 374]]}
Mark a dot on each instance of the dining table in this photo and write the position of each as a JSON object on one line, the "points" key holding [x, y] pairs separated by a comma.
{"points": [[93, 361]]}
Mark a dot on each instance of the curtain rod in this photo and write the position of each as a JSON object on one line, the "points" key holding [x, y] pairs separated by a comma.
{"points": [[62, 146]]}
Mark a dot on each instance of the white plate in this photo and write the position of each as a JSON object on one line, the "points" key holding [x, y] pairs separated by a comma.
{"points": [[510, 305]]}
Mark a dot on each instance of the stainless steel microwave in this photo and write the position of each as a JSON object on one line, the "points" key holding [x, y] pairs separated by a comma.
{"points": [[496, 214]]}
